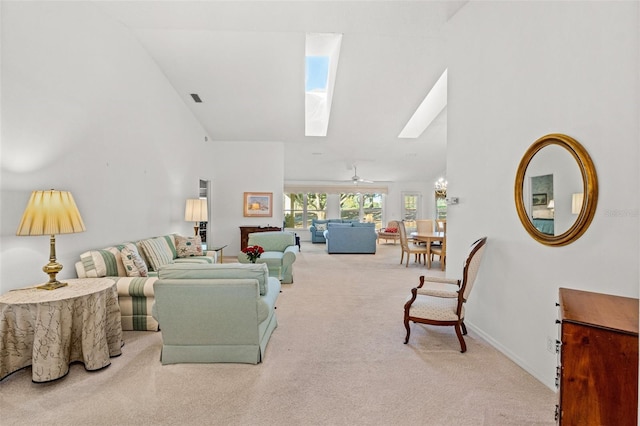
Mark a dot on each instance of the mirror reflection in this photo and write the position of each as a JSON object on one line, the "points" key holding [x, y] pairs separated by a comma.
{"points": [[552, 176], [556, 190], [542, 204]]}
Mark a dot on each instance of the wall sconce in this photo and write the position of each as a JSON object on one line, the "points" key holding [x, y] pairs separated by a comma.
{"points": [[576, 202], [196, 211], [50, 213]]}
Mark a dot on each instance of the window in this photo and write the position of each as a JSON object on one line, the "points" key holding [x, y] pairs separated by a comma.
{"points": [[350, 206], [441, 206], [322, 51], [372, 208], [317, 72], [410, 208], [299, 209], [362, 207], [316, 208]]}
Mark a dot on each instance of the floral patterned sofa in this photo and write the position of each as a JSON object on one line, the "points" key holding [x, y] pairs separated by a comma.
{"points": [[134, 267]]}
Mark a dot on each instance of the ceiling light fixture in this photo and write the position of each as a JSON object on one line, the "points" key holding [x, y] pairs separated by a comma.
{"points": [[440, 187]]}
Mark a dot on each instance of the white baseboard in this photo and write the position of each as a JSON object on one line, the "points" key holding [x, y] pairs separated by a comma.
{"points": [[547, 381]]}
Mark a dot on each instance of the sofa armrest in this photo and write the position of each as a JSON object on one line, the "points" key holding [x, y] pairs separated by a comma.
{"points": [[289, 255], [80, 270], [211, 253]]}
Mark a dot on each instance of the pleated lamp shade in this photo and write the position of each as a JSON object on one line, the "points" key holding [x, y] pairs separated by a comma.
{"points": [[50, 213], [196, 210]]}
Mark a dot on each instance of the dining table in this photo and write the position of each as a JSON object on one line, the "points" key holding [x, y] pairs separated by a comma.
{"points": [[428, 238]]}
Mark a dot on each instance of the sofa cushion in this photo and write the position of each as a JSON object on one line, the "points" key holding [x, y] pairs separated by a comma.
{"points": [[158, 252], [272, 240], [320, 227], [102, 263], [363, 225], [256, 271], [133, 263], [188, 246], [339, 225]]}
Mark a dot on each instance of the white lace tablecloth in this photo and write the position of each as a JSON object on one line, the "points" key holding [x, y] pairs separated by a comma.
{"points": [[49, 329]]}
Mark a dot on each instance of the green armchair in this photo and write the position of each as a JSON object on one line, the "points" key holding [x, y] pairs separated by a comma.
{"points": [[279, 253]]}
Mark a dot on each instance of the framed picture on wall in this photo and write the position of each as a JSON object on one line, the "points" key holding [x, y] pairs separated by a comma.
{"points": [[258, 204], [539, 199]]}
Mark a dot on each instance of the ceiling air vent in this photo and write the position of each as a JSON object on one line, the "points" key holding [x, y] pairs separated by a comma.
{"points": [[196, 98]]}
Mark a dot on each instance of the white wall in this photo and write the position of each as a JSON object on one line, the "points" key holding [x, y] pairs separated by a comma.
{"points": [[518, 71], [85, 109], [241, 167]]}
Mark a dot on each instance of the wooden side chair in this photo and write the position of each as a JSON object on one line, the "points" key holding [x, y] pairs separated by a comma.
{"points": [[440, 301], [440, 249], [419, 251]]}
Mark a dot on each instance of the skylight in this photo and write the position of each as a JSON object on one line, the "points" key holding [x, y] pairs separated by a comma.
{"points": [[317, 73], [431, 106], [322, 51]]}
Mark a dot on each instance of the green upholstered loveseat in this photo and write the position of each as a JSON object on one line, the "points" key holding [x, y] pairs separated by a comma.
{"points": [[134, 265], [279, 253], [215, 313]]}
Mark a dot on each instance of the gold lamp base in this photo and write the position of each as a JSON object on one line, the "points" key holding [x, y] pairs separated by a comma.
{"points": [[52, 285], [52, 268]]}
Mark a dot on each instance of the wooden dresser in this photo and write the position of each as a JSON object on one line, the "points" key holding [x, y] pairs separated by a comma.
{"points": [[246, 230], [598, 373]]}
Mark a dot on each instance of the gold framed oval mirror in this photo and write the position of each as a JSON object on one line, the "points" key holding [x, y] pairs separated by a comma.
{"points": [[555, 203]]}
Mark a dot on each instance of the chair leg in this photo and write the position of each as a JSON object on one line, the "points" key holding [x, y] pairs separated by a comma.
{"points": [[406, 325], [463, 345], [464, 328]]}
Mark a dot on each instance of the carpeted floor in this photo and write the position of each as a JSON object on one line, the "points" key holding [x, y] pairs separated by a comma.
{"points": [[336, 358]]}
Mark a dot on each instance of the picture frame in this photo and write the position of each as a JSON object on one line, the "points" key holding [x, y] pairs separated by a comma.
{"points": [[539, 199], [258, 204]]}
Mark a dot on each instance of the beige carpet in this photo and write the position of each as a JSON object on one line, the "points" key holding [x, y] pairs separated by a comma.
{"points": [[336, 358]]}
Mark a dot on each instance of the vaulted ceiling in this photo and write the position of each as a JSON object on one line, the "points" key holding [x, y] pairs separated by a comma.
{"points": [[246, 62]]}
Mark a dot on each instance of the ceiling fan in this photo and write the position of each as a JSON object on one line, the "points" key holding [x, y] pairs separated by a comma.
{"points": [[357, 179]]}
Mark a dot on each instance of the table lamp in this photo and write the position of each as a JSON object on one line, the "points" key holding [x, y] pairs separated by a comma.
{"points": [[49, 213], [577, 200], [196, 211]]}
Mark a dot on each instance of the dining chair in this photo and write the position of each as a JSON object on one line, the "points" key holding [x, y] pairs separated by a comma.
{"points": [[440, 301], [423, 226], [440, 250], [419, 251]]}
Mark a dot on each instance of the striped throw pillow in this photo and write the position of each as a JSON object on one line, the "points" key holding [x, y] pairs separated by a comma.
{"points": [[157, 252], [103, 263]]}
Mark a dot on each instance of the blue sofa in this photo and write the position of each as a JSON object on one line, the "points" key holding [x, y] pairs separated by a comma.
{"points": [[318, 226], [351, 238]]}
